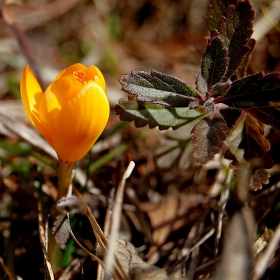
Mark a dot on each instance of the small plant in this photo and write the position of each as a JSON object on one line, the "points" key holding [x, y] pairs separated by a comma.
{"points": [[175, 212], [229, 107]]}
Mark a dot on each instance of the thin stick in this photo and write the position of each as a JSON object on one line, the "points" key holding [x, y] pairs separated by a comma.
{"points": [[106, 229], [116, 220], [188, 251], [20, 36], [262, 263], [43, 240], [222, 203], [6, 269], [99, 235], [85, 249]]}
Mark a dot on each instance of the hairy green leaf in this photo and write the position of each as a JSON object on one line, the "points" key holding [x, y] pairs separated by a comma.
{"points": [[208, 136], [214, 61], [201, 85], [220, 89], [236, 29], [216, 8], [158, 88], [179, 86], [156, 115], [243, 67], [256, 91], [230, 23]]}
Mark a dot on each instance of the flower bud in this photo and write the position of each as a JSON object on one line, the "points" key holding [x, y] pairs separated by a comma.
{"points": [[72, 112]]}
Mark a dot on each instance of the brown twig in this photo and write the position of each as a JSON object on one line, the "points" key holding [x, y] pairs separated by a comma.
{"points": [[8, 17], [43, 240], [6, 269], [116, 219], [262, 263]]}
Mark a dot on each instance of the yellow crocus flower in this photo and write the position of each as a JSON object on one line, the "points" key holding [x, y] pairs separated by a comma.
{"points": [[72, 112]]}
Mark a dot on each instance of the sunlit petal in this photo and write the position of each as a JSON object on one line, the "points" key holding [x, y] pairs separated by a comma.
{"points": [[70, 70], [93, 73], [31, 94], [55, 97], [82, 121]]}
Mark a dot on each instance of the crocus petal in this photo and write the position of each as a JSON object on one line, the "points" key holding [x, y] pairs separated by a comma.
{"points": [[71, 69], [55, 97], [81, 122], [94, 74], [31, 94]]}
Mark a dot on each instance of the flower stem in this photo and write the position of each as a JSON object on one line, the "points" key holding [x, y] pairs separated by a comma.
{"points": [[55, 253], [64, 178]]}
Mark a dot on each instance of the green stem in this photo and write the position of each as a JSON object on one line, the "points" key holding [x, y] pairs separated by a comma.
{"points": [[55, 253], [64, 178]]}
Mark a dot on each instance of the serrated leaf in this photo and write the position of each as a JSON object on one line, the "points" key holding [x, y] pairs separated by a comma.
{"points": [[230, 24], [254, 144], [254, 91], [220, 89], [242, 86], [156, 115], [201, 85], [246, 141], [179, 86], [236, 29], [259, 178], [257, 93], [214, 62], [158, 88], [208, 136], [243, 67], [216, 8]]}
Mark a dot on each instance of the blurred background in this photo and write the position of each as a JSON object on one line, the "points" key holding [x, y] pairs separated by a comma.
{"points": [[118, 37]]}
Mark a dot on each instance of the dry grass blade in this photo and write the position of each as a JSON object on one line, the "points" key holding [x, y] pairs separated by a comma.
{"points": [[43, 240], [190, 273], [263, 261], [236, 256], [95, 226], [99, 235], [116, 220], [25, 132], [223, 201], [6, 269], [187, 251], [85, 249], [72, 268]]}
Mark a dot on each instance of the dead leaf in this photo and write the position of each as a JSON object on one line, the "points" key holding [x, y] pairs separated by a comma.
{"points": [[170, 214], [133, 265]]}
